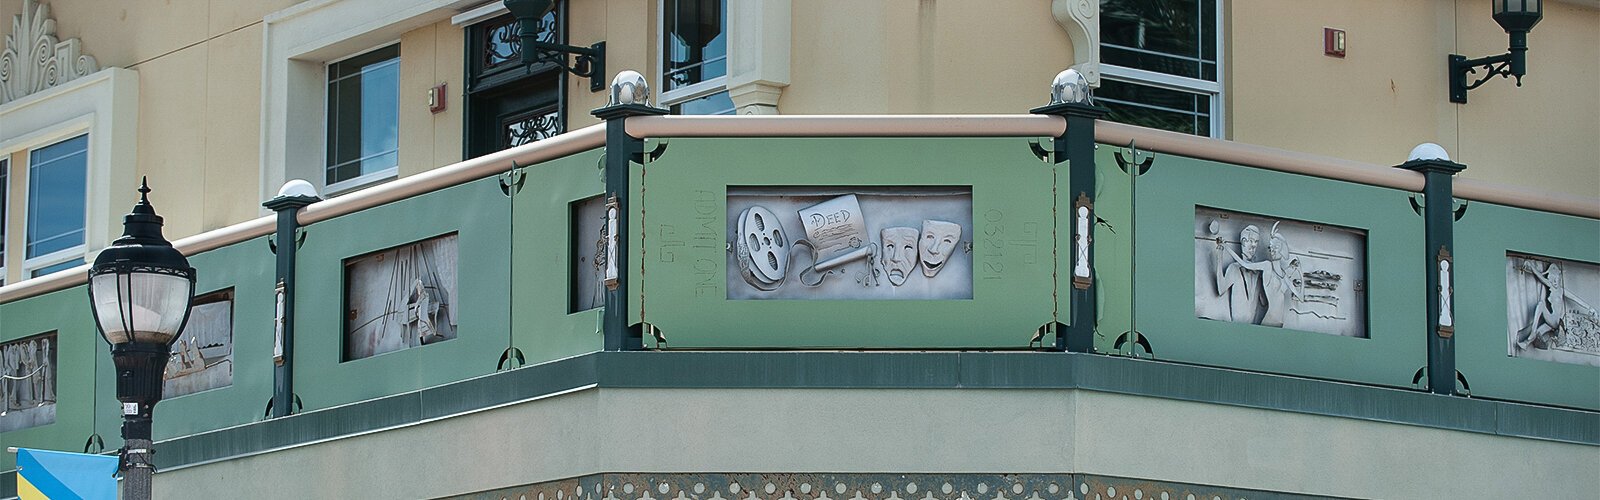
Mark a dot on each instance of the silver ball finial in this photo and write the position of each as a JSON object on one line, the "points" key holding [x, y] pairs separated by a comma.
{"points": [[1428, 151], [629, 87], [1070, 86]]}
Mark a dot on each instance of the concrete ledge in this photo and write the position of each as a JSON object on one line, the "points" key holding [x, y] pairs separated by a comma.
{"points": [[889, 370]]}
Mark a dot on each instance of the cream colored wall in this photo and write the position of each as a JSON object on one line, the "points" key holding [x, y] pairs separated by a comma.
{"points": [[907, 56], [1389, 93], [629, 29], [429, 56]]}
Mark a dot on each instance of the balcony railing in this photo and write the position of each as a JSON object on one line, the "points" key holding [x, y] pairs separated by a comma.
{"points": [[499, 262]]}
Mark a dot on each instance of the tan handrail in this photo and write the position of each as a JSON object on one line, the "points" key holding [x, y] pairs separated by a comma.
{"points": [[847, 126], [577, 141]]}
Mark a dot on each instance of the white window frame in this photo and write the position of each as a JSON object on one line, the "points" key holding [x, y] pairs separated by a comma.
{"points": [[104, 105], [668, 98], [365, 180], [1216, 90], [66, 254], [297, 44], [5, 212]]}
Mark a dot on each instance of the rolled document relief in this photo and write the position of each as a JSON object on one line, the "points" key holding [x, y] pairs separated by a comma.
{"points": [[837, 230]]}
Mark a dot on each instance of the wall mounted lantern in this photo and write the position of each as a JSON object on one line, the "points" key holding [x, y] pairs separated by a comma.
{"points": [[1517, 17], [590, 61], [140, 290]]}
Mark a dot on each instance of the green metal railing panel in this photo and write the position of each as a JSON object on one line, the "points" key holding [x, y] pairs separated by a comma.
{"points": [[1484, 235], [79, 405], [544, 327], [685, 257], [1113, 249], [479, 214], [1165, 253], [248, 268]]}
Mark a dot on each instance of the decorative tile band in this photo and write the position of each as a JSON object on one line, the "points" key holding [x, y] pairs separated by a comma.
{"points": [[825, 486]]}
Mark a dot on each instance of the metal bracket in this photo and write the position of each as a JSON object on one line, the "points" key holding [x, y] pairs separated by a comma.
{"points": [[299, 240], [1142, 165], [1465, 387], [1460, 211], [95, 442], [511, 180], [1137, 339], [1417, 379], [509, 355], [1053, 327], [298, 406], [1039, 150], [643, 328], [652, 155]]}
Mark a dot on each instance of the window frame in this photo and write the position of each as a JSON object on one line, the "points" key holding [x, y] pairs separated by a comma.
{"points": [[5, 210], [667, 98], [363, 180], [1217, 90]]}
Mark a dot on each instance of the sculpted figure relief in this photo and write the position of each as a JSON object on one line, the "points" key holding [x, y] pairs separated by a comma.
{"points": [[1235, 279]]}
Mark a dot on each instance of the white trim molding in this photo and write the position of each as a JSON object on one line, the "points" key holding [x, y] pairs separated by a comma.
{"points": [[758, 54], [104, 105], [1081, 20], [34, 60], [299, 42]]}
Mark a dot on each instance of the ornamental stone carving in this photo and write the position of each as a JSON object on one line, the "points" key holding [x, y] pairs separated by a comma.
{"points": [[1081, 20], [34, 59]]}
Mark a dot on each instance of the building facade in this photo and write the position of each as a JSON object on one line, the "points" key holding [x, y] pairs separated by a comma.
{"points": [[449, 290]]}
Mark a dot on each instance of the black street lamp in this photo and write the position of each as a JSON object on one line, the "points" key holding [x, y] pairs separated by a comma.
{"points": [[1517, 17], [590, 61], [140, 289]]}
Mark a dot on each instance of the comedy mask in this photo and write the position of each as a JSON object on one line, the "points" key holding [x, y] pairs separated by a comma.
{"points": [[763, 249], [939, 238], [899, 253]]}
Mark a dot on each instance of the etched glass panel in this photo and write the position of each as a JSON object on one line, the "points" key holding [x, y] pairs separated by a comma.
{"points": [[202, 356], [876, 243], [401, 298], [28, 382], [1550, 309], [1281, 273]]}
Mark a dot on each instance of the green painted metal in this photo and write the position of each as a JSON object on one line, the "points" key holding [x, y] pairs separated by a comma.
{"points": [[1164, 260], [541, 240], [1113, 249], [480, 215], [248, 268], [683, 214], [1483, 236], [85, 387]]}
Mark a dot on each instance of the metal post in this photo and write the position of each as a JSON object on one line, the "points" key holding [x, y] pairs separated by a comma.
{"points": [[1439, 216], [139, 368], [1076, 147], [620, 151], [287, 207]]}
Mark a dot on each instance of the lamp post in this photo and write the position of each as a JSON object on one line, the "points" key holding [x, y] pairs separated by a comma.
{"points": [[140, 289], [1517, 17], [590, 61]]}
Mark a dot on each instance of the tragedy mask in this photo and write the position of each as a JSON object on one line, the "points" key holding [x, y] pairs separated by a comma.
{"points": [[899, 253]]}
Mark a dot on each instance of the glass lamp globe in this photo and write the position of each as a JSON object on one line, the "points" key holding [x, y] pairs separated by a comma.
{"points": [[629, 87], [140, 287], [1069, 86]]}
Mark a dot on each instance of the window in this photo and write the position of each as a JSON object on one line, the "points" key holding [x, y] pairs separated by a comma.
{"points": [[694, 57], [363, 118], [5, 188], [509, 104], [57, 179], [1161, 64]]}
